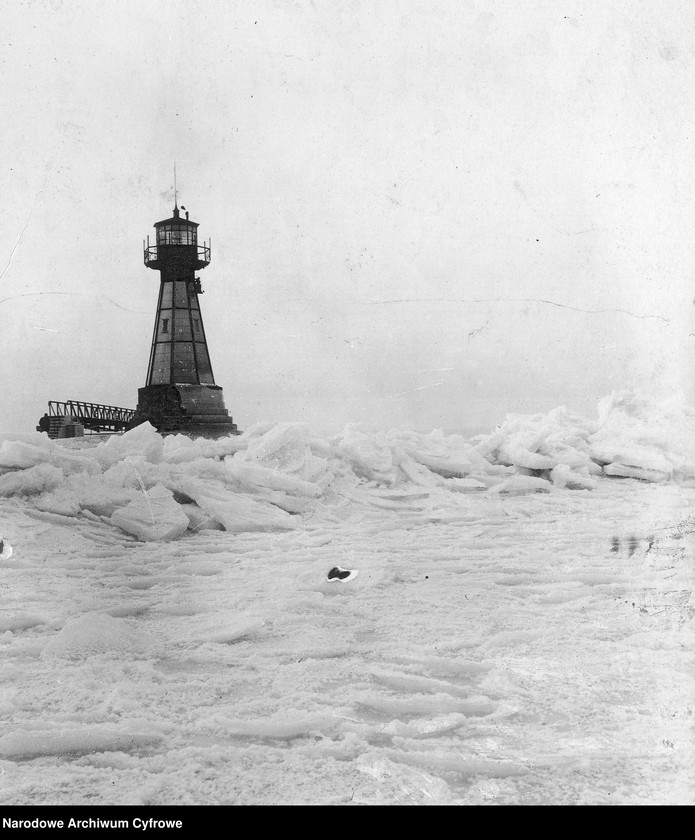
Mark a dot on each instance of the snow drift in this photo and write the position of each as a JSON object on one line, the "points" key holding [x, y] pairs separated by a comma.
{"points": [[274, 477]]}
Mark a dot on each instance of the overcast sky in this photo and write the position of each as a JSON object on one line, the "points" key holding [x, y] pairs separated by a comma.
{"points": [[423, 214]]}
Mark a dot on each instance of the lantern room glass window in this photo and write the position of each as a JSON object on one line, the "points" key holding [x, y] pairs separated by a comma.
{"points": [[176, 234]]}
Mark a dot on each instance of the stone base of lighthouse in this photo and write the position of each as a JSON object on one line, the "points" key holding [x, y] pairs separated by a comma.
{"points": [[195, 410]]}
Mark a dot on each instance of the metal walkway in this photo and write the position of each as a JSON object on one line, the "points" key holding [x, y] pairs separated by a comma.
{"points": [[92, 416]]}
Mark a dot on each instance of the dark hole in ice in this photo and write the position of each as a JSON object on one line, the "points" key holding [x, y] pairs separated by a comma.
{"points": [[337, 572]]}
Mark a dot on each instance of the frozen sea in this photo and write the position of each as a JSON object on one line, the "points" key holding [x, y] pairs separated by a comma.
{"points": [[515, 634]]}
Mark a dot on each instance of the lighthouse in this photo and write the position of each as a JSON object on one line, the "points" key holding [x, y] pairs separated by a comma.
{"points": [[180, 394]]}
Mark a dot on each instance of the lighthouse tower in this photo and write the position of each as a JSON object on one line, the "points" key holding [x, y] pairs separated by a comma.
{"points": [[180, 394]]}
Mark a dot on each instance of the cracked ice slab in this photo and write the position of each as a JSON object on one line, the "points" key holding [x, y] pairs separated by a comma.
{"points": [[152, 516]]}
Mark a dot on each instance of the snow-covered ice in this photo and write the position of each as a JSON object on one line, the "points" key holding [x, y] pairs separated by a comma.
{"points": [[520, 628]]}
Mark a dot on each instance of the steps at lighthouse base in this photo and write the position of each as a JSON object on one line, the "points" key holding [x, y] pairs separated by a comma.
{"points": [[197, 410], [206, 430]]}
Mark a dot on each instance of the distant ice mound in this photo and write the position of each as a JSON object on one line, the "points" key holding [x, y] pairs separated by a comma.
{"points": [[275, 476], [642, 439], [634, 436]]}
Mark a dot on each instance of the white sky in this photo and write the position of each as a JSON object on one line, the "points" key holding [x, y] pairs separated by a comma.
{"points": [[398, 195]]}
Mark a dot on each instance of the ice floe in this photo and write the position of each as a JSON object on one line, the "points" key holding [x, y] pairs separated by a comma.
{"points": [[276, 477]]}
